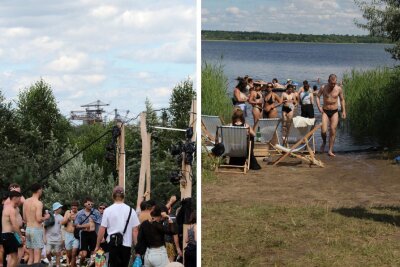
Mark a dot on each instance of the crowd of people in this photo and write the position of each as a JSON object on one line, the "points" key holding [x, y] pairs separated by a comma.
{"points": [[152, 234], [266, 97]]}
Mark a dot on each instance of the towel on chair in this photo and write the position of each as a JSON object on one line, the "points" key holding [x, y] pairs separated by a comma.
{"points": [[299, 121]]}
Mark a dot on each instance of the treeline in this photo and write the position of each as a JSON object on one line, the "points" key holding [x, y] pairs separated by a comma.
{"points": [[36, 138], [283, 37]]}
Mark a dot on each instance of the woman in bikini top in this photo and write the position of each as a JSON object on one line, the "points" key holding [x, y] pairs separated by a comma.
{"points": [[255, 99], [271, 101]]}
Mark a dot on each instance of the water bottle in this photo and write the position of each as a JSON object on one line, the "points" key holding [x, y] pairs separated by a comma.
{"points": [[258, 135]]}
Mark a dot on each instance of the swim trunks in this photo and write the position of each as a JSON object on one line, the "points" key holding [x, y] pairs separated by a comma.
{"points": [[34, 238], [330, 113], [70, 241], [10, 243]]}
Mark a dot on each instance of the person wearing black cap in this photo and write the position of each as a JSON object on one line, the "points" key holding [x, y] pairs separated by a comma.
{"points": [[121, 223], [151, 238]]}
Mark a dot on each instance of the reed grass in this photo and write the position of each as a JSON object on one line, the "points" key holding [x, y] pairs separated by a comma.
{"points": [[214, 91], [372, 101]]}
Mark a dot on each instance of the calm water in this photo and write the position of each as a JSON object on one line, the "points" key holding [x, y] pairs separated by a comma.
{"points": [[298, 61]]}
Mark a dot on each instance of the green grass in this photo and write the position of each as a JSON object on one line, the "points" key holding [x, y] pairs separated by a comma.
{"points": [[261, 234], [372, 102], [214, 92]]}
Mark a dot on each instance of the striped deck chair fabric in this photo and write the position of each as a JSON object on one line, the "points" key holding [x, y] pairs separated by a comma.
{"points": [[236, 143]]}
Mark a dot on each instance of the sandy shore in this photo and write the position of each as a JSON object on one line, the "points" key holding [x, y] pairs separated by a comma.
{"points": [[364, 179]]}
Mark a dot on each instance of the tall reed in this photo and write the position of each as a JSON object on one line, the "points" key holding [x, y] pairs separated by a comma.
{"points": [[373, 105], [214, 92]]}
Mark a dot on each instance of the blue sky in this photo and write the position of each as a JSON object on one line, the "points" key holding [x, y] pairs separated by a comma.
{"points": [[300, 16], [119, 52]]}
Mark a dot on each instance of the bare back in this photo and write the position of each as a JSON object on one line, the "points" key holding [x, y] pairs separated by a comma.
{"points": [[330, 96], [33, 212]]}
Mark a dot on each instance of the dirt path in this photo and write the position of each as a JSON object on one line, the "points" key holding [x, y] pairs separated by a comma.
{"points": [[347, 180]]}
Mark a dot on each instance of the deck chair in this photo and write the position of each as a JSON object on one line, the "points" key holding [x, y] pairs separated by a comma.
{"points": [[237, 144], [268, 128], [209, 126], [298, 144]]}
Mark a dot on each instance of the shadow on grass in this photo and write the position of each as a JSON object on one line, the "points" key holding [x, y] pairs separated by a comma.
{"points": [[364, 214]]}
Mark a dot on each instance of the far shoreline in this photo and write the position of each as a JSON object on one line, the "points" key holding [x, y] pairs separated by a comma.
{"points": [[282, 42]]}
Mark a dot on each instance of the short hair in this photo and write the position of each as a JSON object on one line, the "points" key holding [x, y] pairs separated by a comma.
{"points": [[143, 205], [305, 82], [315, 87], [87, 199], [290, 86], [12, 186], [36, 187], [238, 114], [13, 194], [151, 203], [74, 204], [332, 76], [306, 87], [274, 80]]}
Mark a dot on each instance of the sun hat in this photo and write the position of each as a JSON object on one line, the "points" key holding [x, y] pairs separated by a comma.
{"points": [[56, 206]]}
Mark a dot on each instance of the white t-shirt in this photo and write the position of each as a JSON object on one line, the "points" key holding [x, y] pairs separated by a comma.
{"points": [[53, 233], [114, 219]]}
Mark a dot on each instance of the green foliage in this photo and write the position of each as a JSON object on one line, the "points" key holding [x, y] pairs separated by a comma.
{"points": [[82, 135], [180, 104], [290, 37], [77, 180], [372, 99], [214, 92], [383, 21], [37, 108]]}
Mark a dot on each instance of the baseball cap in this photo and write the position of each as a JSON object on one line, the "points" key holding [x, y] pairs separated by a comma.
{"points": [[56, 206]]}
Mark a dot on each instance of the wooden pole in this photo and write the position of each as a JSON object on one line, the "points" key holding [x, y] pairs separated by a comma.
{"points": [[148, 173], [121, 156], [142, 175], [186, 190]]}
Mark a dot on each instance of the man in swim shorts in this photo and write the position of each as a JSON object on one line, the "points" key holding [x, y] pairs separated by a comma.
{"points": [[34, 231], [11, 236], [330, 92]]}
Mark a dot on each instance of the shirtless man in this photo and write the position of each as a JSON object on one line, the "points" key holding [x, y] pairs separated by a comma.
{"points": [[34, 230], [11, 235], [330, 92], [71, 243], [17, 188]]}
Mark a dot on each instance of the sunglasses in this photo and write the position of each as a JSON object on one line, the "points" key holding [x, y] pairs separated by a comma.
{"points": [[102, 208]]}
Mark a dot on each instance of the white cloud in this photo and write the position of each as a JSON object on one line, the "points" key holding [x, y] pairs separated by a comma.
{"points": [[17, 32], [233, 10], [67, 63], [104, 12]]}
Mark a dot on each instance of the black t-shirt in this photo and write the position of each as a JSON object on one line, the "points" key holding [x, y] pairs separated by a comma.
{"points": [[151, 235]]}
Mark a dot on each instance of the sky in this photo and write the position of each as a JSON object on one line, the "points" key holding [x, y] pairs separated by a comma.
{"points": [[285, 16], [119, 52]]}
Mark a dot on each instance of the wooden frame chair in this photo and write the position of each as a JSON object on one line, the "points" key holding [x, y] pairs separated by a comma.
{"points": [[268, 130], [237, 144], [300, 138]]}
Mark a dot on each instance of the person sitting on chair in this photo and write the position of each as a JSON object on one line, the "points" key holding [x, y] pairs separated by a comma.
{"points": [[239, 121]]}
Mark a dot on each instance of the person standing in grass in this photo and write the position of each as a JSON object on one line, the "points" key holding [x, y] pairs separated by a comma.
{"points": [[330, 93]]}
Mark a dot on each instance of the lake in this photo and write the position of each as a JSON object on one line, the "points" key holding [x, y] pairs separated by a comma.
{"points": [[297, 61]]}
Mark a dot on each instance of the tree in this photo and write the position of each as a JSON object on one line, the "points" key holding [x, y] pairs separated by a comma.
{"points": [[37, 109], [383, 20], [180, 104], [76, 180]]}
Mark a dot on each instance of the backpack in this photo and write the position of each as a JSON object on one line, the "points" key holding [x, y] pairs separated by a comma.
{"points": [[50, 221]]}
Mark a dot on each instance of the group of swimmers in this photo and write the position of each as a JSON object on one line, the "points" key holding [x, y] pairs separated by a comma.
{"points": [[264, 101]]}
